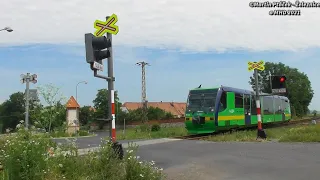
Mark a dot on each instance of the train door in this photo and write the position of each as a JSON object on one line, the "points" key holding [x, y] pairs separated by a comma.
{"points": [[247, 109]]}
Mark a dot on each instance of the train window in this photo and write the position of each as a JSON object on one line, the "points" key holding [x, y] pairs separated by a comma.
{"points": [[223, 102], [284, 104], [253, 106], [238, 100], [277, 105], [267, 105]]}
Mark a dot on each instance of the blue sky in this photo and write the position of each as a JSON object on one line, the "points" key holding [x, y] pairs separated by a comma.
{"points": [[171, 74], [186, 43]]}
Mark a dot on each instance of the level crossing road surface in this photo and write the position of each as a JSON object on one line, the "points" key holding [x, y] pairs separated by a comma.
{"points": [[93, 141], [190, 159]]}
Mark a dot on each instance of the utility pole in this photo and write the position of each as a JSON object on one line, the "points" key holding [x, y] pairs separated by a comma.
{"points": [[144, 101], [26, 79]]}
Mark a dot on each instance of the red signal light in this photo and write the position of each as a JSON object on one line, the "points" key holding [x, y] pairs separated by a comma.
{"points": [[282, 79]]}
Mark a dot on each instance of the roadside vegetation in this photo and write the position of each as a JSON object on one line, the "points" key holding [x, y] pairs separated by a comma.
{"points": [[152, 132], [295, 133], [25, 155]]}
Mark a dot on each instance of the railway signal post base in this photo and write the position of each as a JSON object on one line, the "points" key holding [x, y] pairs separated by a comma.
{"points": [[261, 134], [118, 149]]}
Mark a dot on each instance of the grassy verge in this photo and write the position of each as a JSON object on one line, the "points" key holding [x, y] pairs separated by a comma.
{"points": [[145, 133], [25, 156], [58, 134], [298, 133]]}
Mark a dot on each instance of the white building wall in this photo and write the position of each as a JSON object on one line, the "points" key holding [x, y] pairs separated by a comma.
{"points": [[72, 115]]}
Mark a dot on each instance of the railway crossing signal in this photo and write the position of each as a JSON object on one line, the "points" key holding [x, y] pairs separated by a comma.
{"points": [[106, 27], [258, 66], [279, 84], [96, 50], [99, 47]]}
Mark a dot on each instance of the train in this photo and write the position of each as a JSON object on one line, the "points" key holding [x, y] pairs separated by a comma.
{"points": [[211, 110]]}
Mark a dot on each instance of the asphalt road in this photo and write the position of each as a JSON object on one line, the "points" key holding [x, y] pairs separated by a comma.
{"points": [[94, 141], [189, 159]]}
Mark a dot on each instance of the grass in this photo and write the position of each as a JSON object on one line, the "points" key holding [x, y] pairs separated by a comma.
{"points": [[142, 132], [297, 133], [26, 156], [282, 134]]}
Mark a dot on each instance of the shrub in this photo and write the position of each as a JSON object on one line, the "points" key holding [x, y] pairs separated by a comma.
{"points": [[83, 133], [155, 127], [144, 128], [26, 156]]}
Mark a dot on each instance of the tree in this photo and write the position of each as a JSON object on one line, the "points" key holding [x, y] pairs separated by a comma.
{"points": [[299, 88], [101, 103], [54, 114], [86, 114], [12, 110]]}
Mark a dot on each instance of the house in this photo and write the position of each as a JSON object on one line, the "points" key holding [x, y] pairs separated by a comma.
{"points": [[175, 108]]}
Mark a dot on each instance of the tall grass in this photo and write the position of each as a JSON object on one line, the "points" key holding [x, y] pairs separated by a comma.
{"points": [[25, 156], [145, 132], [299, 133]]}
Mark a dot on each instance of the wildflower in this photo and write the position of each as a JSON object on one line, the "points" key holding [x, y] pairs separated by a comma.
{"points": [[141, 175]]}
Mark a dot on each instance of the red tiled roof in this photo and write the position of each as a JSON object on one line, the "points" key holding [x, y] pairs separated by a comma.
{"points": [[176, 108], [72, 103]]}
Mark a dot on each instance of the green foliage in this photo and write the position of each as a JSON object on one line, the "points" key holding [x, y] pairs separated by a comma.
{"points": [[144, 128], [86, 115], [163, 133], [26, 155], [155, 127], [310, 133], [101, 103], [154, 113], [298, 85], [54, 114], [12, 110], [302, 133]]}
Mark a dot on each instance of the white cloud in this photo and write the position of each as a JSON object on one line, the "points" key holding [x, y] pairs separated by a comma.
{"points": [[198, 25]]}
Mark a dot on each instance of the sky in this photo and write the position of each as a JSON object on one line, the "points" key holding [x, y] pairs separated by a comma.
{"points": [[186, 42]]}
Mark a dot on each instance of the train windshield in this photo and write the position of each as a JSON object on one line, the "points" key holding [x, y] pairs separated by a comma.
{"points": [[202, 100]]}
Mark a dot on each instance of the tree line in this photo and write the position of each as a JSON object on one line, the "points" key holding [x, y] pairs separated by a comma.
{"points": [[51, 115]]}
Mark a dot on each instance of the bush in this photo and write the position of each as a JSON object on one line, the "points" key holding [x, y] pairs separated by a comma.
{"points": [[144, 128], [83, 133], [155, 127], [26, 156]]}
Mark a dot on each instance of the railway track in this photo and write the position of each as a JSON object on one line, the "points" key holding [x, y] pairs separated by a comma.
{"points": [[288, 123]]}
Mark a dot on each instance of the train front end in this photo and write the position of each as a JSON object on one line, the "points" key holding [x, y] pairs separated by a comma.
{"points": [[200, 111]]}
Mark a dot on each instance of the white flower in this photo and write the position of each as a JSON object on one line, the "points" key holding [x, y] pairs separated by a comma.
{"points": [[18, 126], [141, 175]]}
